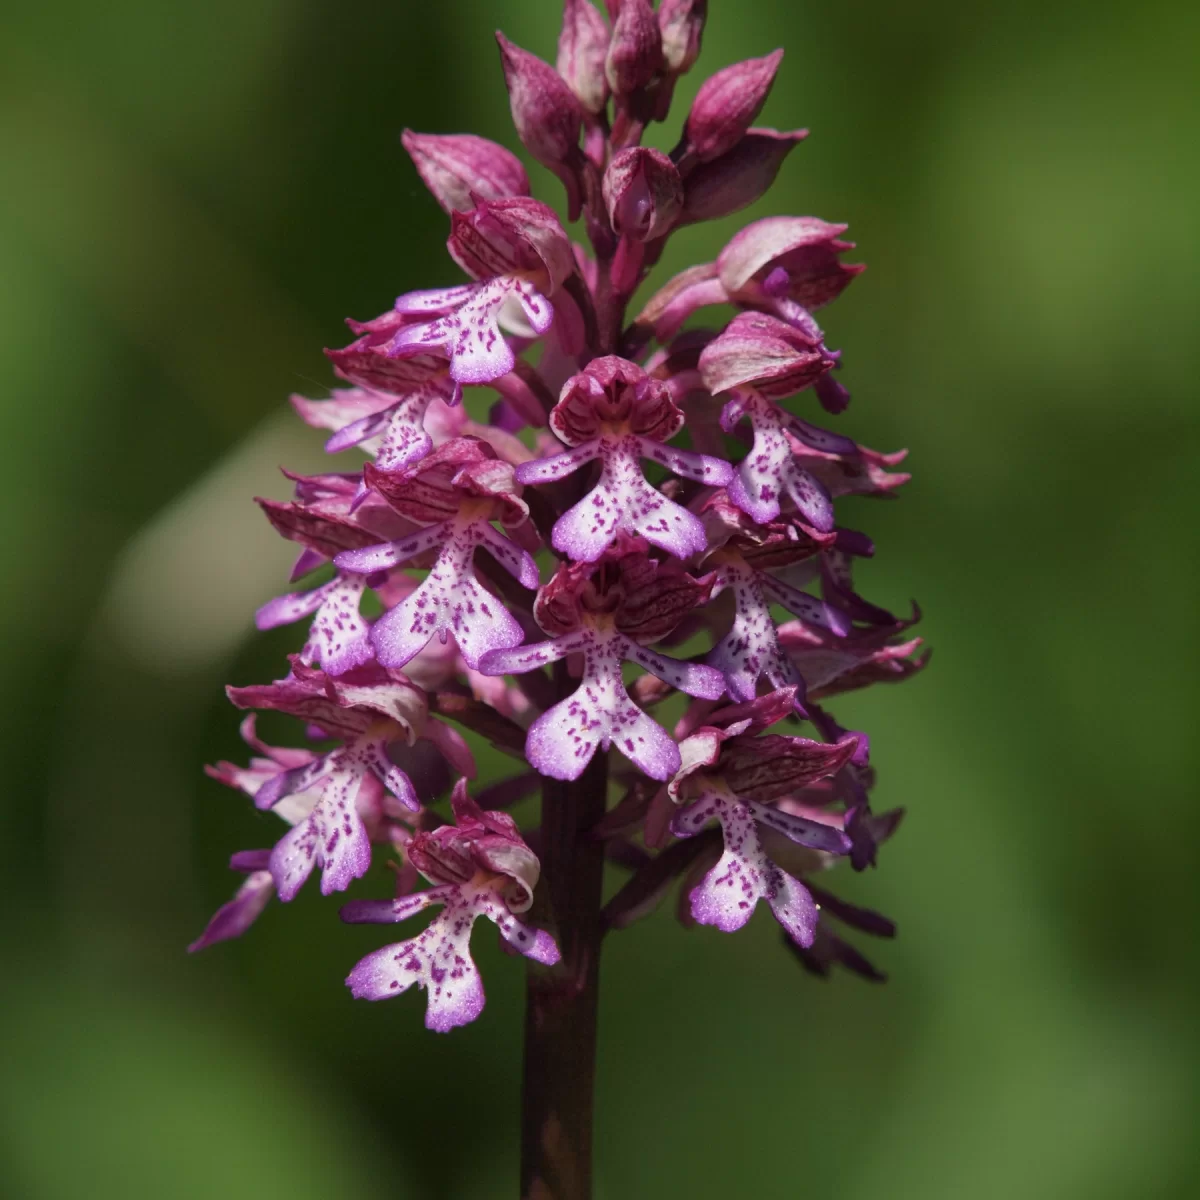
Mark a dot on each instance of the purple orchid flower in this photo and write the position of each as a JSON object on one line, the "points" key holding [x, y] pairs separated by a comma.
{"points": [[606, 615], [371, 709], [466, 485], [616, 413], [721, 769], [324, 520], [519, 255], [480, 867]]}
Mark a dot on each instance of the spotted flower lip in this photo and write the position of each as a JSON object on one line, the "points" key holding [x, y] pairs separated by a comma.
{"points": [[370, 711], [723, 768], [480, 867], [339, 635], [235, 917]]}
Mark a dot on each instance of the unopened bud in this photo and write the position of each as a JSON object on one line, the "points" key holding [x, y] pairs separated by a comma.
{"points": [[635, 51], [726, 105], [738, 178], [457, 166], [681, 23], [546, 114], [582, 49], [643, 193]]}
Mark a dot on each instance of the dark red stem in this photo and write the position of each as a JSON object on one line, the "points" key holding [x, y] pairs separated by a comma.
{"points": [[561, 1001]]}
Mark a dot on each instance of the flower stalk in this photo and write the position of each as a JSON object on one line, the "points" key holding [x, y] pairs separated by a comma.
{"points": [[561, 1002]]}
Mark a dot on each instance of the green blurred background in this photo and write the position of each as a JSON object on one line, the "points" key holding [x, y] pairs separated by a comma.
{"points": [[193, 196]]}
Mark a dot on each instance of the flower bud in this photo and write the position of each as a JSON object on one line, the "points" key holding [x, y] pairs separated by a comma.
{"points": [[456, 167], [635, 51], [738, 178], [582, 48], [643, 193], [681, 23], [546, 114], [726, 105]]}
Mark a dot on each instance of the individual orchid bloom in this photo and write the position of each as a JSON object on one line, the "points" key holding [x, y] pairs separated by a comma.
{"points": [[731, 777], [751, 648], [370, 709], [232, 919], [613, 411], [461, 488], [321, 520], [394, 427], [757, 360], [519, 256], [787, 266], [479, 867], [605, 614], [424, 423], [387, 410]]}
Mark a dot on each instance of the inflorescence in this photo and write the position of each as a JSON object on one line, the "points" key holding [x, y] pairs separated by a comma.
{"points": [[641, 486]]}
